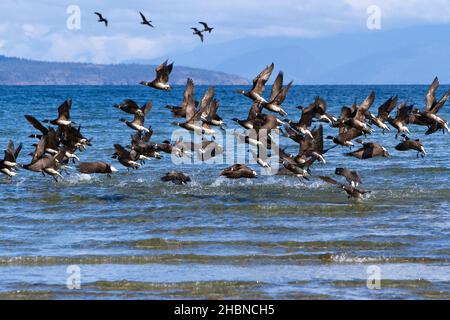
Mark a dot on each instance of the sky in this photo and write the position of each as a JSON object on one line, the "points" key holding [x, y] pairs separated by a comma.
{"points": [[38, 29]]}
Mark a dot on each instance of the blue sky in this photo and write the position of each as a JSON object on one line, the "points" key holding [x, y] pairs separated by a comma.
{"points": [[37, 29]]}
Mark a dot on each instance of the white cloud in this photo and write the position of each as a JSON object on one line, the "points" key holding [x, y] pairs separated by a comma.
{"points": [[39, 31]]}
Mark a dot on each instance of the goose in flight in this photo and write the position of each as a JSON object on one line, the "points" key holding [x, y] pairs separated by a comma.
{"points": [[9, 162], [198, 33], [259, 84], [188, 99], [139, 119], [351, 191], [408, 144], [97, 167], [402, 118], [101, 18], [194, 117], [145, 21], [351, 176], [429, 116], [162, 77], [63, 114], [278, 95], [206, 28], [383, 113], [369, 150]]}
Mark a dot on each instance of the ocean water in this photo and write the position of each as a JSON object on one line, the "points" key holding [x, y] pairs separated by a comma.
{"points": [[132, 236]]}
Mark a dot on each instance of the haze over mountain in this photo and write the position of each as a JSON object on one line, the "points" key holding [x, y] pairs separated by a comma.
{"points": [[402, 56], [14, 71]]}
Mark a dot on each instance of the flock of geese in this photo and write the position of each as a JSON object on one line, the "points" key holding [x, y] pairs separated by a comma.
{"points": [[58, 143], [146, 22]]}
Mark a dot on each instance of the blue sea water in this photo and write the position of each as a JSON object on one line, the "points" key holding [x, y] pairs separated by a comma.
{"points": [[132, 236]]}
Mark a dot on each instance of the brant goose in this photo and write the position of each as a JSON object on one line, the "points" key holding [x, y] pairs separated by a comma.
{"points": [[211, 117], [96, 167], [206, 28], [408, 144], [351, 176], [139, 119], [126, 158], [101, 18], [429, 116], [305, 120], [383, 113], [145, 21], [238, 171], [131, 107], [321, 112], [63, 114], [176, 177], [402, 118], [345, 136], [188, 99], [9, 162], [255, 109], [198, 33], [259, 84], [278, 95], [350, 190], [143, 146], [355, 117], [162, 77], [369, 150], [44, 164], [194, 117]]}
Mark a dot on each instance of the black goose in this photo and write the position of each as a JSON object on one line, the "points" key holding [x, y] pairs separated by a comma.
{"points": [[206, 28], [198, 33], [139, 119], [321, 111], [131, 107], [305, 120], [402, 118], [128, 159], [351, 176], [9, 162], [176, 177], [194, 117], [44, 164], [429, 116], [188, 99], [97, 167], [145, 21], [278, 95], [162, 77], [345, 136], [352, 192], [51, 136], [101, 18], [143, 146], [255, 109], [408, 144], [210, 115], [238, 171], [356, 116], [63, 114], [259, 84], [383, 114], [369, 150]]}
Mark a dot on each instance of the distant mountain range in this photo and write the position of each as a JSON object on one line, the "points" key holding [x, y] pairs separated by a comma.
{"points": [[413, 55], [16, 71]]}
